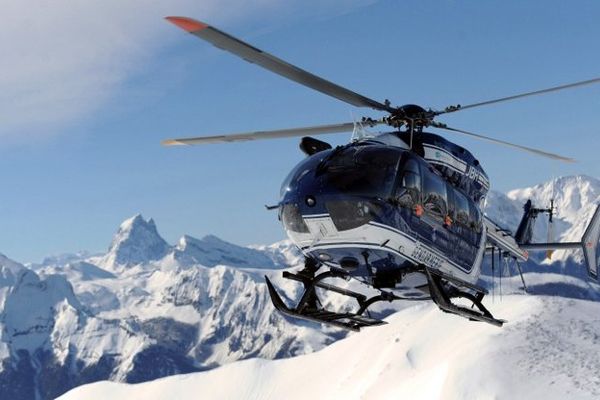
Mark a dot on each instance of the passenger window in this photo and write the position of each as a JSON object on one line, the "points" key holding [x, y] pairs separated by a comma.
{"points": [[475, 218], [434, 195], [462, 209], [450, 202]]}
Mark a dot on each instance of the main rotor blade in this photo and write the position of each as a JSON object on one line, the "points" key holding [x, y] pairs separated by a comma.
{"points": [[275, 134], [518, 96], [251, 54], [502, 142]]}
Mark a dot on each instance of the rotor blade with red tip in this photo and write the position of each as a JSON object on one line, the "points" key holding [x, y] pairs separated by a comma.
{"points": [[251, 54], [275, 134], [502, 142]]}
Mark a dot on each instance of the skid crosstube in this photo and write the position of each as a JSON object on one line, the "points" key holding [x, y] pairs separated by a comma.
{"points": [[441, 289], [309, 309]]}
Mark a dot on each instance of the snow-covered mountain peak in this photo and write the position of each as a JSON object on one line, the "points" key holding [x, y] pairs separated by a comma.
{"points": [[575, 200], [136, 222], [571, 194], [211, 251], [284, 253], [9, 271], [137, 241], [212, 239], [61, 259], [29, 307]]}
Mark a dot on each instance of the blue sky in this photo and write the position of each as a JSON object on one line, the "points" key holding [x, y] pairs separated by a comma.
{"points": [[90, 90]]}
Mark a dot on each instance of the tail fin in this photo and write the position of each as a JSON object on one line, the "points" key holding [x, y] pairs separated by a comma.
{"points": [[590, 244]]}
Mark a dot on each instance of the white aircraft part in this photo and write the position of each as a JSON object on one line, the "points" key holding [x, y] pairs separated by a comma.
{"points": [[382, 237], [440, 156], [590, 244], [504, 241]]}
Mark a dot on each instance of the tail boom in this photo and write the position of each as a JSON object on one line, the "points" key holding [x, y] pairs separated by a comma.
{"points": [[589, 244]]}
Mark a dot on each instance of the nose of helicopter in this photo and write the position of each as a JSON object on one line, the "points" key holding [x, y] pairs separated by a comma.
{"points": [[325, 216], [343, 184], [334, 197]]}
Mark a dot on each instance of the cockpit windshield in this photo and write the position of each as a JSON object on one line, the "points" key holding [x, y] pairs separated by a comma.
{"points": [[361, 170], [303, 170]]}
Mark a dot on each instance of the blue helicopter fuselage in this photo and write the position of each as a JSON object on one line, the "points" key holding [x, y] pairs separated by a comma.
{"points": [[377, 209]]}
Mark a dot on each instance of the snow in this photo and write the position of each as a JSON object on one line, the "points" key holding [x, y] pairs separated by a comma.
{"points": [[549, 350], [570, 193], [123, 309], [575, 199], [210, 251], [9, 271], [202, 303], [136, 242]]}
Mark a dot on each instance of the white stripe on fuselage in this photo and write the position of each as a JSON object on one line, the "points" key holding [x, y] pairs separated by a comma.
{"points": [[438, 155], [383, 237]]}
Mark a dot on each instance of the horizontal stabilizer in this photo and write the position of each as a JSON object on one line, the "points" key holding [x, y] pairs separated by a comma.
{"points": [[503, 240], [589, 244]]}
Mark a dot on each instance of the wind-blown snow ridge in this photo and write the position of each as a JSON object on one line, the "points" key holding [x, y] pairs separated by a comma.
{"points": [[549, 350]]}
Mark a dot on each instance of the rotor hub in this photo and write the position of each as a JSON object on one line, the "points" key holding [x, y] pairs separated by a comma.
{"points": [[410, 115]]}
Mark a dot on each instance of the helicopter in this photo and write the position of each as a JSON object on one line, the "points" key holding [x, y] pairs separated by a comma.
{"points": [[399, 211]]}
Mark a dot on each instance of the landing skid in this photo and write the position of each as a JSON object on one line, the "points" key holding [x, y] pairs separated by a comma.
{"points": [[440, 297], [310, 308]]}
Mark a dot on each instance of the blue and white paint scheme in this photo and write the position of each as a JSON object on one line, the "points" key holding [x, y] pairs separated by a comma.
{"points": [[378, 203]]}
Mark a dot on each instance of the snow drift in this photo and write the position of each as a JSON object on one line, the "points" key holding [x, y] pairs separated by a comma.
{"points": [[548, 350], [146, 309]]}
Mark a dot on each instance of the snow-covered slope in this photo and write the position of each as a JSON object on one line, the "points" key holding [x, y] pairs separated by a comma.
{"points": [[143, 310], [549, 350], [147, 309]]}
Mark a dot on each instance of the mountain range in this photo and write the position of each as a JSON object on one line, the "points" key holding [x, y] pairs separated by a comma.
{"points": [[147, 309]]}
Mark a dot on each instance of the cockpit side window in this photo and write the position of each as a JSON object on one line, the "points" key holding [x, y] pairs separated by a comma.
{"points": [[410, 181], [475, 218]]}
